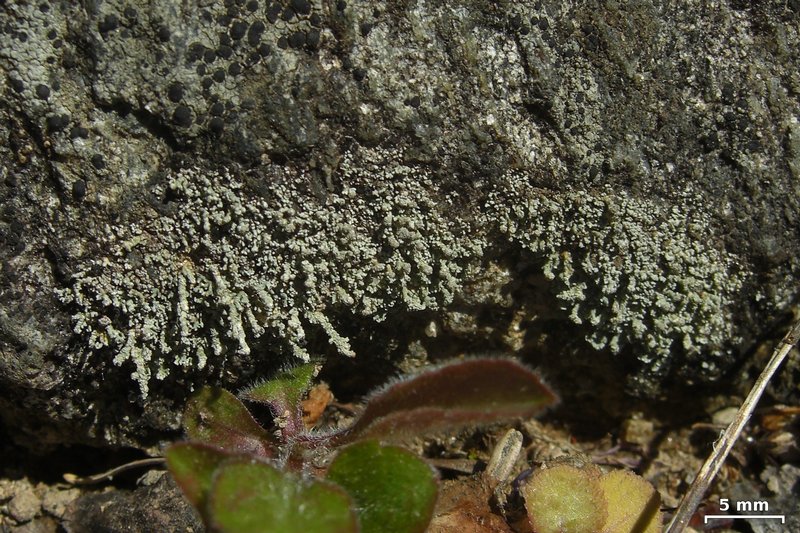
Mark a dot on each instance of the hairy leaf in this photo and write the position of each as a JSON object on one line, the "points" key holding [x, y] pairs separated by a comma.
{"points": [[465, 392], [254, 497], [192, 465], [565, 499], [633, 503], [394, 490], [283, 395], [217, 417]]}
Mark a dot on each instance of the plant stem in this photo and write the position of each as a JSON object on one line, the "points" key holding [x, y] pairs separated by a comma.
{"points": [[725, 443], [107, 475]]}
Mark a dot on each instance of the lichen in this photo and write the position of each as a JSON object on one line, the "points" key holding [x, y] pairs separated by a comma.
{"points": [[226, 265]]}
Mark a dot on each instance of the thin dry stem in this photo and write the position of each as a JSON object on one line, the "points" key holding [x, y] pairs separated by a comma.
{"points": [[109, 474], [725, 443]]}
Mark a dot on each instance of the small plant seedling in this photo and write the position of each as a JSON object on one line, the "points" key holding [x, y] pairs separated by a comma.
{"points": [[242, 478], [567, 499], [633, 504]]}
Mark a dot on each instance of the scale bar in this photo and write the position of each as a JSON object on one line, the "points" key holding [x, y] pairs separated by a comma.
{"points": [[708, 517]]}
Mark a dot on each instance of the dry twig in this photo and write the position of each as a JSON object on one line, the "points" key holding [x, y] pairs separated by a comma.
{"points": [[725, 443]]}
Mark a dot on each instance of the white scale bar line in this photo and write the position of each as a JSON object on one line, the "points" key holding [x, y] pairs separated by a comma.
{"points": [[707, 517]]}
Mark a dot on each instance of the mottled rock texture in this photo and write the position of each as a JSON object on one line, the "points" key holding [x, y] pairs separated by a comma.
{"points": [[205, 191]]}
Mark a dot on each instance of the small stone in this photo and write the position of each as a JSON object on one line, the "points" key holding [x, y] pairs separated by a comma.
{"points": [[25, 504]]}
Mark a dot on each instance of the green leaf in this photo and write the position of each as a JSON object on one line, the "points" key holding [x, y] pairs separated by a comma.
{"points": [[283, 394], [286, 389], [192, 465], [215, 416], [473, 391], [253, 496], [394, 490]]}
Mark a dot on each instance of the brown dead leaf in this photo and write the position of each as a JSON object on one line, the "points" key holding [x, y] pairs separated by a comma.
{"points": [[319, 397], [463, 507]]}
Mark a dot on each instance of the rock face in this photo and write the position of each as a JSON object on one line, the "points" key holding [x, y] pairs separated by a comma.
{"points": [[196, 194]]}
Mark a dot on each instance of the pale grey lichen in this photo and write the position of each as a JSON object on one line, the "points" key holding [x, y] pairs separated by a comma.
{"points": [[637, 272], [228, 265]]}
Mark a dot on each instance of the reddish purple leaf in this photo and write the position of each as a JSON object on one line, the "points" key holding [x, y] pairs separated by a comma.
{"points": [[473, 391], [215, 416]]}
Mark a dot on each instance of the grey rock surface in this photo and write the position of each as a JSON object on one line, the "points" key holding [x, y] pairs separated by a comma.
{"points": [[205, 192]]}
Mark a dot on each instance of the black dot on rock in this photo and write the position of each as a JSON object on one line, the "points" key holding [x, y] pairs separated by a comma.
{"points": [[252, 59], [78, 131], [78, 189], [254, 33], [365, 28], [252, 5], [359, 74], [225, 52], [301, 7], [182, 116], [525, 30], [207, 83], [312, 39], [238, 29], [98, 161], [217, 109], [287, 14], [57, 122], [224, 20], [175, 92], [216, 125], [195, 52], [17, 85], [130, 13], [273, 12], [235, 69], [225, 39], [109, 23], [264, 50], [283, 43], [315, 20], [297, 39], [52, 34], [341, 5], [42, 91], [233, 12], [58, 43], [209, 56], [413, 101], [201, 69], [163, 34], [219, 75]]}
